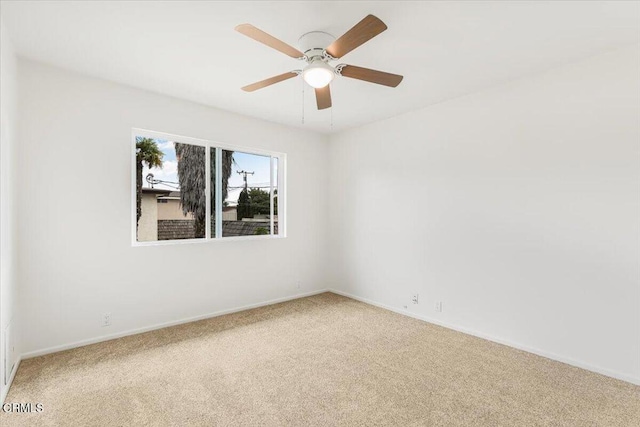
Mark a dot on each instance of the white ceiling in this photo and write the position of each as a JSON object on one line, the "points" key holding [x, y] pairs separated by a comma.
{"points": [[190, 49]]}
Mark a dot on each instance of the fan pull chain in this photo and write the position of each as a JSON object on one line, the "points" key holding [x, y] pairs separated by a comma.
{"points": [[302, 80]]}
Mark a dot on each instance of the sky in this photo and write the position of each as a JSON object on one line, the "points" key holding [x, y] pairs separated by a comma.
{"points": [[259, 165], [169, 171], [250, 163]]}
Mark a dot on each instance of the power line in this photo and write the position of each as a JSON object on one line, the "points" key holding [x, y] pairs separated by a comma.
{"points": [[251, 186], [153, 181], [244, 175]]}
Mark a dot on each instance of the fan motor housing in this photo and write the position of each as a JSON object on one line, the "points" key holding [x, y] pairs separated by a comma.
{"points": [[313, 44]]}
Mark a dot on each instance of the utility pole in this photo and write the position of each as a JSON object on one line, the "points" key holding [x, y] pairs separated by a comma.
{"points": [[245, 173], [244, 203]]}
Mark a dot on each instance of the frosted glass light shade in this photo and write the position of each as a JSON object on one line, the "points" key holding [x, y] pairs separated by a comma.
{"points": [[318, 74]]}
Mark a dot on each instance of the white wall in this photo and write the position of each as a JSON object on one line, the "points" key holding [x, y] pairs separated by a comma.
{"points": [[74, 156], [517, 207], [8, 261]]}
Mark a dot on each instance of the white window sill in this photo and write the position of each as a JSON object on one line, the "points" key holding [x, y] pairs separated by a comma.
{"points": [[200, 241]]}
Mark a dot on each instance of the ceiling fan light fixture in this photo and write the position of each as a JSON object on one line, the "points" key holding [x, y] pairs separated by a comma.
{"points": [[318, 74], [317, 49]]}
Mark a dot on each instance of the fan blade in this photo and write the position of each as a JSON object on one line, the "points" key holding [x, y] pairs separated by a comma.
{"points": [[264, 38], [269, 81], [362, 32], [372, 76], [323, 97]]}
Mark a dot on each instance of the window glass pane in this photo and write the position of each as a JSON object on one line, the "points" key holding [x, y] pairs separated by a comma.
{"points": [[170, 190], [246, 207], [274, 180]]}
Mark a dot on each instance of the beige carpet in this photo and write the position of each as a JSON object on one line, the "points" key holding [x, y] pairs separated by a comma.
{"points": [[320, 361]]}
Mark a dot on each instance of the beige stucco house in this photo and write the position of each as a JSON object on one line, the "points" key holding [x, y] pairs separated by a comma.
{"points": [[148, 222]]}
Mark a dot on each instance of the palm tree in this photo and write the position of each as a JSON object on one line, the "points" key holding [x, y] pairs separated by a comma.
{"points": [[227, 164], [192, 176], [147, 152]]}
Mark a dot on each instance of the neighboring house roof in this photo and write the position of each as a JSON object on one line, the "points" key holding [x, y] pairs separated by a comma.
{"points": [[147, 190], [173, 195]]}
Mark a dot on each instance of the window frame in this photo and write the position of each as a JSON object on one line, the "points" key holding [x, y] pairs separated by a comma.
{"points": [[218, 146]]}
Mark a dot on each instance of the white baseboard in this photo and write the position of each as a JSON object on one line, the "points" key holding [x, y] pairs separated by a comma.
{"points": [[89, 341], [5, 392], [548, 355]]}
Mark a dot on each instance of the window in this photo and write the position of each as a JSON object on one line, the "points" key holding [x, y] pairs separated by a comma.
{"points": [[194, 190]]}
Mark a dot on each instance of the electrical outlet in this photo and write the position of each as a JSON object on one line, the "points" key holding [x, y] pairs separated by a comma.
{"points": [[414, 298], [106, 319], [438, 305]]}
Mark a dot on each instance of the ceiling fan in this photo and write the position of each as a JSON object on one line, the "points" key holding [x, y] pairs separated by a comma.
{"points": [[318, 49]]}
